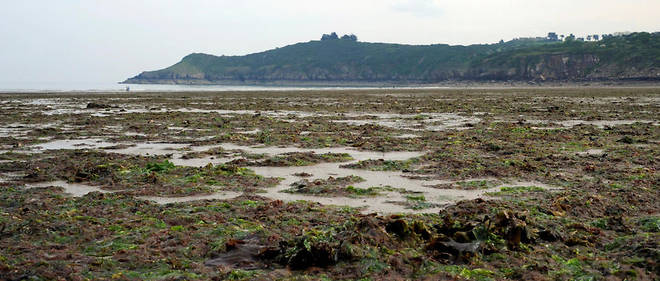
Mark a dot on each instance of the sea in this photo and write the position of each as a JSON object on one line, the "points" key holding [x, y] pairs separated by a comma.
{"points": [[40, 87]]}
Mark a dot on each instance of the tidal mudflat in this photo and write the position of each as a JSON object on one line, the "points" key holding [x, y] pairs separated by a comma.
{"points": [[475, 184]]}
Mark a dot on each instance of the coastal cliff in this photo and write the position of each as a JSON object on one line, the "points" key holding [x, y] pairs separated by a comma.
{"points": [[630, 57]]}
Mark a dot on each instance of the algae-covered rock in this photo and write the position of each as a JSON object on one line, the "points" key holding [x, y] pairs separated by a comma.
{"points": [[399, 227]]}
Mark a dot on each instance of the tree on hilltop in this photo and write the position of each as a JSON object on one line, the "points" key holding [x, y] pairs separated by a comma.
{"points": [[334, 36], [351, 37], [570, 37], [331, 36]]}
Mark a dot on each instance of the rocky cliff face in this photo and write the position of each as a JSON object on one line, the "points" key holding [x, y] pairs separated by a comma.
{"points": [[542, 67], [562, 67]]}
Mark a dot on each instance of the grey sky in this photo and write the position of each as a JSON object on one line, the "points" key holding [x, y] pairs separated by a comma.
{"points": [[87, 40]]}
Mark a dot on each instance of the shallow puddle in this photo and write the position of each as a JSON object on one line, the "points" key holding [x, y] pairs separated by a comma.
{"points": [[169, 200], [79, 190], [10, 176], [91, 143], [416, 122], [389, 201], [421, 121], [595, 152], [356, 154], [97, 143], [201, 162], [597, 123], [250, 132], [18, 130], [407, 136], [379, 204], [384, 203], [151, 149], [75, 189]]}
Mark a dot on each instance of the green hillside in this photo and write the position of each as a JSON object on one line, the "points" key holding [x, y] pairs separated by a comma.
{"points": [[635, 56]]}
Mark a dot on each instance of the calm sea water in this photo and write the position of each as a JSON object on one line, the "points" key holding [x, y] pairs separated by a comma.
{"points": [[114, 87]]}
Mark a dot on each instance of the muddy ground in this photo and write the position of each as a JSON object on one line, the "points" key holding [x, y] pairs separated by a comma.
{"points": [[475, 184]]}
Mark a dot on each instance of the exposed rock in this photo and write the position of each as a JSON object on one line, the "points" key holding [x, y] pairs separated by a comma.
{"points": [[312, 254], [512, 228], [398, 227], [452, 250], [93, 105], [244, 254], [420, 229], [462, 237], [550, 235]]}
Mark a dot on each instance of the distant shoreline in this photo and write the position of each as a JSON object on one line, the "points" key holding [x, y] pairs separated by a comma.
{"points": [[195, 89], [355, 84], [115, 87]]}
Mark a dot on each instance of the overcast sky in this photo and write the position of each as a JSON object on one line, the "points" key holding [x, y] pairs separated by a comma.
{"points": [[109, 41]]}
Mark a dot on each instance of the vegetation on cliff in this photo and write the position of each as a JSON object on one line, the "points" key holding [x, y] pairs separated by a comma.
{"points": [[336, 60]]}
